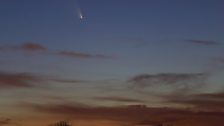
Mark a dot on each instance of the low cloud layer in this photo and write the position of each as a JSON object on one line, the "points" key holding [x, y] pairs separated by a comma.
{"points": [[122, 113], [133, 114], [206, 101], [4, 122], [118, 99]]}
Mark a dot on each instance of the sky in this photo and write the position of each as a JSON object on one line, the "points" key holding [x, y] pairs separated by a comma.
{"points": [[112, 62]]}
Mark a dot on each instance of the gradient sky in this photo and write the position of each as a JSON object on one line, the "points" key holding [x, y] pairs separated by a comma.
{"points": [[126, 63]]}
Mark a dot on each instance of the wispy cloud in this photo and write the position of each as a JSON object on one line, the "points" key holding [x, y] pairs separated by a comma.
{"points": [[206, 101], [18, 79], [4, 122], [22, 80], [202, 42], [68, 80], [82, 55], [170, 79], [118, 99], [29, 47]]}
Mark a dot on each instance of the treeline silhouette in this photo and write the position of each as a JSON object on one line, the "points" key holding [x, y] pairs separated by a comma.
{"points": [[61, 123], [65, 123]]}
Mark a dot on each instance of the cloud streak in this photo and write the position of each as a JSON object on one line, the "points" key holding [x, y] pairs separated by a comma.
{"points": [[68, 80], [206, 101], [202, 42], [29, 47], [4, 122], [18, 79], [168, 79], [81, 55], [118, 99], [28, 80]]}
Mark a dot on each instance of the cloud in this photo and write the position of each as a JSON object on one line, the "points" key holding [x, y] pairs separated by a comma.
{"points": [[82, 55], [133, 114], [215, 96], [22, 80], [118, 99], [205, 101], [202, 42], [5, 121], [18, 79], [68, 81], [29, 47], [183, 80], [150, 123]]}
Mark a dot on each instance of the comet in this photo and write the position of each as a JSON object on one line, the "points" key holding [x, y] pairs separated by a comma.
{"points": [[81, 17], [78, 11], [80, 14]]}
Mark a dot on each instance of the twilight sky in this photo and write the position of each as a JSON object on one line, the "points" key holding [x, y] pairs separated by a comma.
{"points": [[126, 63]]}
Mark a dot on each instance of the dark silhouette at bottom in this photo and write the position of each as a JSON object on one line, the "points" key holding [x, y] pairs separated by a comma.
{"points": [[61, 123]]}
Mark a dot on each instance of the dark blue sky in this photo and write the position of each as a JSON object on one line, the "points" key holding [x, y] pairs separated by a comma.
{"points": [[105, 19], [145, 36]]}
